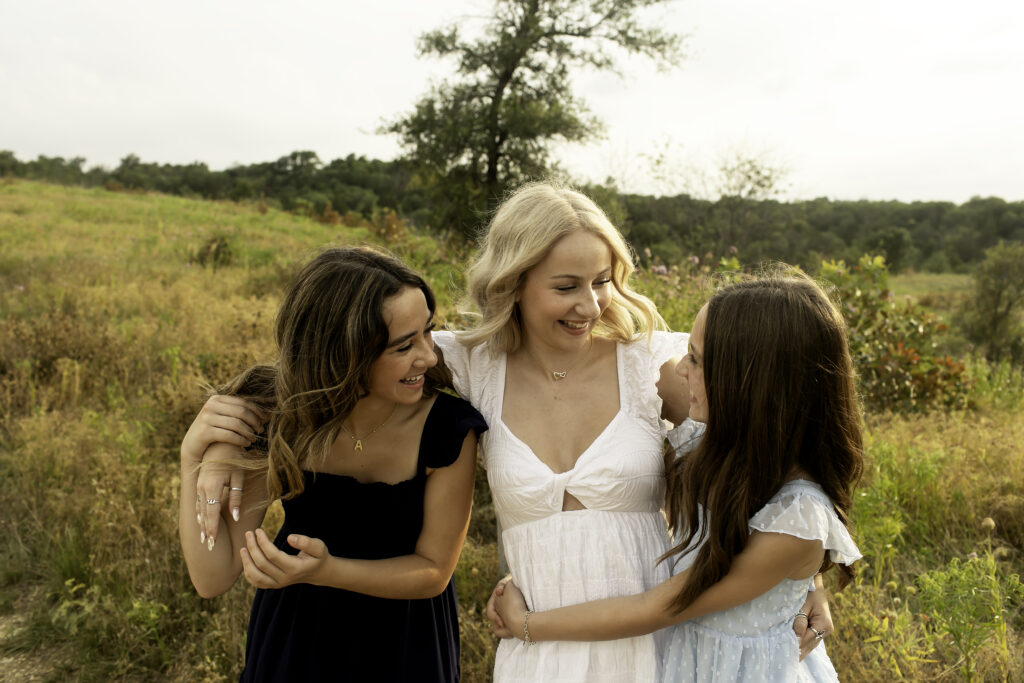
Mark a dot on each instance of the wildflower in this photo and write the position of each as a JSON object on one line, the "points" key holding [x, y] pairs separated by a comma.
{"points": [[891, 585], [911, 590], [1001, 553], [988, 524], [972, 556], [897, 601], [660, 270], [733, 249]]}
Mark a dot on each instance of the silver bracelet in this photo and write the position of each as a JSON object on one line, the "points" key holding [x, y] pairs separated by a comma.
{"points": [[526, 627]]}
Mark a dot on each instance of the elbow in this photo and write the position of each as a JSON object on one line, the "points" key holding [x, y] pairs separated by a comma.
{"points": [[432, 584], [434, 587], [210, 588]]}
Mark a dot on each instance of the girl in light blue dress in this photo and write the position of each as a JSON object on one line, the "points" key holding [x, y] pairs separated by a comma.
{"points": [[761, 501]]}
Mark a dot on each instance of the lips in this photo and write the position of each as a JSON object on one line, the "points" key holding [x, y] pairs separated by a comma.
{"points": [[575, 325], [416, 379]]}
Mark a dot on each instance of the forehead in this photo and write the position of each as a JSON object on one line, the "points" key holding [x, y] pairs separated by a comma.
{"points": [[406, 311], [697, 333], [579, 253]]}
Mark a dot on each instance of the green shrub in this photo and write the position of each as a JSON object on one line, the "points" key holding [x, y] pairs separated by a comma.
{"points": [[894, 345]]}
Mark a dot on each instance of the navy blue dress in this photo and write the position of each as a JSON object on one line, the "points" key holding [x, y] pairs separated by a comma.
{"points": [[315, 633]]}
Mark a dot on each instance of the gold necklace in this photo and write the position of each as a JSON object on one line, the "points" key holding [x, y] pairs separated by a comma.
{"points": [[560, 375], [359, 442]]}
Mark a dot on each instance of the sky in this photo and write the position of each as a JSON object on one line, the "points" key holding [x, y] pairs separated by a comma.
{"points": [[895, 99]]}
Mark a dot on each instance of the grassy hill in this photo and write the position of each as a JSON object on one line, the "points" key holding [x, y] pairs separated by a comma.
{"points": [[115, 308]]}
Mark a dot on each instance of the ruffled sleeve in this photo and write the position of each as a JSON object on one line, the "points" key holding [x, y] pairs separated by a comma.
{"points": [[643, 360], [447, 425], [456, 357], [801, 509], [685, 437]]}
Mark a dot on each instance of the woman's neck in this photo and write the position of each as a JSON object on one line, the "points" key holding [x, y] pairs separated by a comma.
{"points": [[556, 363], [370, 413]]}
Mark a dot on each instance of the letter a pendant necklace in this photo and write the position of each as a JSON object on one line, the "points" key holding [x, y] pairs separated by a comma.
{"points": [[358, 446]]}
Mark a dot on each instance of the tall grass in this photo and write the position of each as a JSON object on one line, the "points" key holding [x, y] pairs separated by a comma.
{"points": [[110, 324]]}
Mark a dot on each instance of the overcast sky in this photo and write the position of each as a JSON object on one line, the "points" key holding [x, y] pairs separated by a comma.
{"points": [[878, 99]]}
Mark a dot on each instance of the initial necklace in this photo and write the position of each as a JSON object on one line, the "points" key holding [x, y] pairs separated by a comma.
{"points": [[359, 442]]}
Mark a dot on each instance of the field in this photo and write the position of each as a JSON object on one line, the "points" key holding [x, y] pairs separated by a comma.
{"points": [[117, 308]]}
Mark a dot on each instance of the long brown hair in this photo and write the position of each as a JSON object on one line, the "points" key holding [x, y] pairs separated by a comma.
{"points": [[330, 329], [781, 394]]}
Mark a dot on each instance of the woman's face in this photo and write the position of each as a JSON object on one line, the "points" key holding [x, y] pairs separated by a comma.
{"points": [[562, 297], [691, 367], [398, 374]]}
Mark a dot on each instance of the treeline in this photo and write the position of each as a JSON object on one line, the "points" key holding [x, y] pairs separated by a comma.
{"points": [[929, 236]]}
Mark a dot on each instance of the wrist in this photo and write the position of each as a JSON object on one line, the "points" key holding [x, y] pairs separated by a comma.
{"points": [[329, 573], [525, 628]]}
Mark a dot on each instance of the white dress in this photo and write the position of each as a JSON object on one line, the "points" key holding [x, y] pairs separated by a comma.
{"points": [[755, 642], [561, 557]]}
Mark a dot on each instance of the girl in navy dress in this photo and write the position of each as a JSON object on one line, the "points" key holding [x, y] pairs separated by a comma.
{"points": [[375, 469]]}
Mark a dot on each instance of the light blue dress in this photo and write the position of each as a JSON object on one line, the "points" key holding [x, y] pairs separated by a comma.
{"points": [[755, 642]]}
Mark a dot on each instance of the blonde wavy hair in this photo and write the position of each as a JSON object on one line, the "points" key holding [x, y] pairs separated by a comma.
{"points": [[521, 234]]}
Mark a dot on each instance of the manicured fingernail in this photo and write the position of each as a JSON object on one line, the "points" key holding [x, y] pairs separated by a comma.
{"points": [[199, 519], [209, 543], [202, 537], [234, 513]]}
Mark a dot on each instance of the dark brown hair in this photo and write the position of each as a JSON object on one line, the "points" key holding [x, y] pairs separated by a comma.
{"points": [[330, 329], [781, 395]]}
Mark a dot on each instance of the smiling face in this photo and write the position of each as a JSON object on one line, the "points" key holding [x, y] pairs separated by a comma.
{"points": [[562, 297], [398, 373], [691, 367]]}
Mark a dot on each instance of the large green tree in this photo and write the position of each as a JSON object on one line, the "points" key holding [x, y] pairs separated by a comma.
{"points": [[491, 125], [992, 315]]}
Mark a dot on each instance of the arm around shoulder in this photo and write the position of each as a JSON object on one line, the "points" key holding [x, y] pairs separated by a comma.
{"points": [[214, 563]]}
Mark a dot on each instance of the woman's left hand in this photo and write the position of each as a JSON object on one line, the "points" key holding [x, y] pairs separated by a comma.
{"points": [[819, 619], [510, 604], [267, 567]]}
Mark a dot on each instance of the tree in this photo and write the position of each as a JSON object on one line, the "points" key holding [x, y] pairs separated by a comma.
{"points": [[491, 126], [991, 318]]}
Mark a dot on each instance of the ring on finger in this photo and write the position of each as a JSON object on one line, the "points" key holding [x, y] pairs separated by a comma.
{"points": [[212, 501], [818, 635], [236, 488], [802, 614]]}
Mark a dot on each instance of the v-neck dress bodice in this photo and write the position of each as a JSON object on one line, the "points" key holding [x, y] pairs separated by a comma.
{"points": [[608, 549]]}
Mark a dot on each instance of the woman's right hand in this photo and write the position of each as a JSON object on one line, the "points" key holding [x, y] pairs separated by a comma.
{"points": [[225, 419], [219, 484], [497, 624], [228, 419]]}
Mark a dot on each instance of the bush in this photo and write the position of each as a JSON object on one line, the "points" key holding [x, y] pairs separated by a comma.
{"points": [[894, 345], [991, 316]]}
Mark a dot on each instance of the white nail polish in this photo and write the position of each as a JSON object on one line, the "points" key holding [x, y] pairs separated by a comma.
{"points": [[209, 543], [202, 537], [234, 513]]}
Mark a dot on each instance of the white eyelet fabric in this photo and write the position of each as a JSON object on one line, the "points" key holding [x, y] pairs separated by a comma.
{"points": [[564, 557]]}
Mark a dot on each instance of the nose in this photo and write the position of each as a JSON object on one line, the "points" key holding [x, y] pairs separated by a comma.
{"points": [[681, 368], [428, 357], [589, 305]]}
